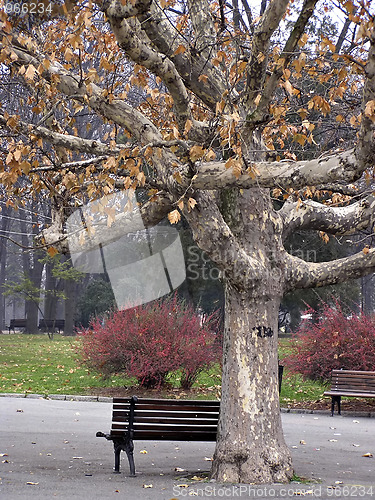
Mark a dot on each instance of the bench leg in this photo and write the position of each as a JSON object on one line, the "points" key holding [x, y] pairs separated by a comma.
{"points": [[127, 446], [336, 399], [117, 444]]}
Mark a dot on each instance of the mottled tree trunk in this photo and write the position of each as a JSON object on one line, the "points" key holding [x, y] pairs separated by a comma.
{"points": [[250, 446]]}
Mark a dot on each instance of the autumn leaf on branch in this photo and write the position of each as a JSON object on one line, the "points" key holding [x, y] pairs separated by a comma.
{"points": [[174, 216]]}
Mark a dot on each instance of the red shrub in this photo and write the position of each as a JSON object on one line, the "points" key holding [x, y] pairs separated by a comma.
{"points": [[333, 342], [152, 340]]}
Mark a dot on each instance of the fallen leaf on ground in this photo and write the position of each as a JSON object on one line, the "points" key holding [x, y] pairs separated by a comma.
{"points": [[143, 452]]}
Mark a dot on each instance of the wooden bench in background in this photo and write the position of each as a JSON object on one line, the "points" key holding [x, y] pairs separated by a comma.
{"points": [[45, 324], [350, 383], [159, 420], [16, 323]]}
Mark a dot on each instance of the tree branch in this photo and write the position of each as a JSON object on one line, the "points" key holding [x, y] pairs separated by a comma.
{"points": [[334, 220], [257, 65], [284, 174], [151, 212], [302, 274], [189, 63], [158, 64], [67, 141], [365, 150], [124, 10], [204, 28], [286, 55], [116, 110]]}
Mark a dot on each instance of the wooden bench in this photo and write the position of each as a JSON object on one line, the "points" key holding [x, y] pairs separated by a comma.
{"points": [[16, 323], [350, 383], [51, 323], [159, 420]]}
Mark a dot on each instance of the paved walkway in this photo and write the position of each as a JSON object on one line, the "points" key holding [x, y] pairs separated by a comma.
{"points": [[49, 450]]}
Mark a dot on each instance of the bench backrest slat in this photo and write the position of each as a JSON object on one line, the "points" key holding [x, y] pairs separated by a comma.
{"points": [[157, 435], [21, 323], [353, 381]]}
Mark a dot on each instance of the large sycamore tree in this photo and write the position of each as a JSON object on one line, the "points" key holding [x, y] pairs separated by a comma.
{"points": [[215, 110]]}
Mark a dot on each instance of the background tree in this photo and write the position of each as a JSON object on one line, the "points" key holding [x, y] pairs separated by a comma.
{"points": [[96, 300], [209, 96]]}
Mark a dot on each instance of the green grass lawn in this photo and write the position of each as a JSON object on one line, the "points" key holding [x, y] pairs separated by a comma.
{"points": [[294, 388], [35, 364]]}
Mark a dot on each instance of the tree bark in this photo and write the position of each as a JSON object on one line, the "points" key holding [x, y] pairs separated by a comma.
{"points": [[50, 301], [250, 445], [5, 223], [70, 307]]}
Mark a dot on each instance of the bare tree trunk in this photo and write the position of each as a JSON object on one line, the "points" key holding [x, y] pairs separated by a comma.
{"points": [[254, 453], [50, 300], [32, 268], [2, 281], [70, 306], [3, 259]]}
